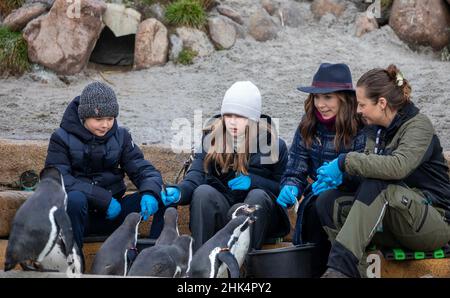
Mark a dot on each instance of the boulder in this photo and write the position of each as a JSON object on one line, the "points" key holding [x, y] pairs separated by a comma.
{"points": [[290, 14], [423, 22], [320, 8], [152, 44], [270, 6], [364, 24], [19, 18], [121, 20], [262, 27], [230, 13], [154, 11], [63, 39], [195, 40], [222, 32]]}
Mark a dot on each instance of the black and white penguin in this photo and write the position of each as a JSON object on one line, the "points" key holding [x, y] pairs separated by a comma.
{"points": [[226, 249], [118, 252], [242, 209], [164, 260], [170, 230], [41, 236]]}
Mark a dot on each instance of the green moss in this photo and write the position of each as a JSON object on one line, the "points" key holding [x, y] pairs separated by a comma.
{"points": [[13, 53], [186, 13], [186, 56], [6, 6]]}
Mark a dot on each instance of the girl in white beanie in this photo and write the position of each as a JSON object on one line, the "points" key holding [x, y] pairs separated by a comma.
{"points": [[231, 170]]}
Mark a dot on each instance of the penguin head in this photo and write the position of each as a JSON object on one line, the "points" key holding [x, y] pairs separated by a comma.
{"points": [[171, 215], [51, 173], [132, 219], [242, 210]]}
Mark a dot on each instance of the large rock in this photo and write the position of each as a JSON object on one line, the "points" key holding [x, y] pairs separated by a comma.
{"points": [[290, 14], [424, 22], [320, 8], [10, 201], [152, 44], [19, 18], [222, 32], [121, 20], [154, 11], [364, 24], [63, 39], [270, 6], [262, 27], [195, 40], [230, 13]]}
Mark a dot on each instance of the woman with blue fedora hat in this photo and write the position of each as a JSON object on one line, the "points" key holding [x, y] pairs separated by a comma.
{"points": [[329, 127]]}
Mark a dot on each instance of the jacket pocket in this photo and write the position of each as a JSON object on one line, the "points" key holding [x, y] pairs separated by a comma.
{"points": [[423, 218]]}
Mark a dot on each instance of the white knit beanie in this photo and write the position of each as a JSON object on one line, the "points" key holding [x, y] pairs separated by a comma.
{"points": [[243, 99]]}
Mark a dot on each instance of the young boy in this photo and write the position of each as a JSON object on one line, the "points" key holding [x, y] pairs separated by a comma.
{"points": [[93, 153]]}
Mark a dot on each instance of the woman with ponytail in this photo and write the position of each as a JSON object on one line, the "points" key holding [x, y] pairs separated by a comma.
{"points": [[403, 200]]}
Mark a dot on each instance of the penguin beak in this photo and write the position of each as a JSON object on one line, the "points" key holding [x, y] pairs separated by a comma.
{"points": [[253, 208], [252, 219]]}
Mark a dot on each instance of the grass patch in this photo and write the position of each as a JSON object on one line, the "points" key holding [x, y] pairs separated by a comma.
{"points": [[186, 57], [6, 6], [186, 13], [13, 53]]}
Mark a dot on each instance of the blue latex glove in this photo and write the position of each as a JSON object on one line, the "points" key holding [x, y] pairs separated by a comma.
{"points": [[170, 196], [113, 209], [322, 184], [332, 171], [241, 182], [288, 196], [149, 206]]}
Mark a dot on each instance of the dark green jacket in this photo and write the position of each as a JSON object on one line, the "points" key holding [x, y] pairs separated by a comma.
{"points": [[411, 154]]}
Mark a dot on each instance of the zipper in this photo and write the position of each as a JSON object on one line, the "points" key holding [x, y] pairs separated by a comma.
{"points": [[320, 149]]}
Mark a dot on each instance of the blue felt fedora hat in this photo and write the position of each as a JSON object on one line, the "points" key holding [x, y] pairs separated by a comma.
{"points": [[330, 78]]}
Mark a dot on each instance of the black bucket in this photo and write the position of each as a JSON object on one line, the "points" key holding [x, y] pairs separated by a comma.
{"points": [[299, 261]]}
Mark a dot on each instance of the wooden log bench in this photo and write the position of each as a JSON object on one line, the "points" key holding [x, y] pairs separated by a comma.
{"points": [[17, 157]]}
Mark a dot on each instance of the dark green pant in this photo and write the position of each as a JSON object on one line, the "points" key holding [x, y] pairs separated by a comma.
{"points": [[388, 215]]}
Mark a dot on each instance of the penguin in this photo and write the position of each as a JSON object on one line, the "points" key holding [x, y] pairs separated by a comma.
{"points": [[170, 230], [165, 260], [227, 248], [242, 209], [117, 253], [41, 237]]}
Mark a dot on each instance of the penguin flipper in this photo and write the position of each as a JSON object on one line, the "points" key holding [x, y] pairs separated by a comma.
{"points": [[63, 222], [228, 258]]}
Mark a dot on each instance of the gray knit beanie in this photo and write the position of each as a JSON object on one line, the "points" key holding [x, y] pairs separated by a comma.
{"points": [[242, 98], [98, 100]]}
